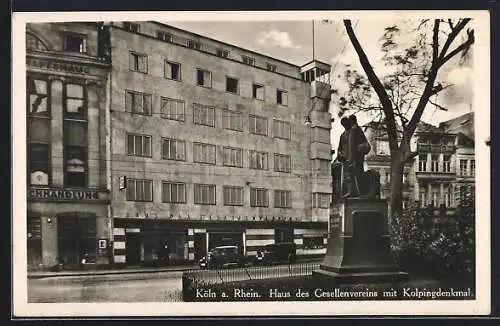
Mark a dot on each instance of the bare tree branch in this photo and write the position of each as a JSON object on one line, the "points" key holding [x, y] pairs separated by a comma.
{"points": [[451, 37], [438, 106], [435, 41], [462, 47]]}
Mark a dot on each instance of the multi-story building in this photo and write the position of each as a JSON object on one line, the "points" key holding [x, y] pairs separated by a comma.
{"points": [[68, 197], [445, 160], [209, 146]]}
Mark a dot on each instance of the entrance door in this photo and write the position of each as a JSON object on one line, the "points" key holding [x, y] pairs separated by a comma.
{"points": [[200, 245], [133, 248]]}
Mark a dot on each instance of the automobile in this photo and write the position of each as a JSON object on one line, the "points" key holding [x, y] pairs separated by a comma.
{"points": [[223, 256], [284, 252]]}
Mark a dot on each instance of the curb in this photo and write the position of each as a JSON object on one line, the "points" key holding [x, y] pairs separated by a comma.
{"points": [[111, 272]]}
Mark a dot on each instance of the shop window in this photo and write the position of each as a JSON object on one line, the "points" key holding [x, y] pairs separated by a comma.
{"points": [[312, 242], [283, 235], [259, 197], [38, 164], [172, 109]]}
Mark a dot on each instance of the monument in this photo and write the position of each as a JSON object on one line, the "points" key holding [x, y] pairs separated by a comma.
{"points": [[358, 249]]}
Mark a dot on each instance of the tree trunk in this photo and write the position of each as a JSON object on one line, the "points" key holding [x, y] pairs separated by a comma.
{"points": [[396, 205]]}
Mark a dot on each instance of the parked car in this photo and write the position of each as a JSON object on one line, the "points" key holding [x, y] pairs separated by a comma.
{"points": [[284, 252], [223, 256]]}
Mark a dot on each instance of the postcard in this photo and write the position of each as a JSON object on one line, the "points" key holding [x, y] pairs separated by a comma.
{"points": [[251, 163]]}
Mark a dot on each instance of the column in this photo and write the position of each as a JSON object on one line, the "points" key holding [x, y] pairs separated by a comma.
{"points": [[417, 191], [57, 146], [441, 193], [93, 136], [429, 193], [429, 162], [440, 162]]}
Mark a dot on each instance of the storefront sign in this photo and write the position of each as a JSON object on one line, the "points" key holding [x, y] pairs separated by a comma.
{"points": [[58, 66], [47, 194]]}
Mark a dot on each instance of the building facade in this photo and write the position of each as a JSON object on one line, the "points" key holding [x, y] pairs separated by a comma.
{"points": [[209, 147], [68, 192], [445, 161]]}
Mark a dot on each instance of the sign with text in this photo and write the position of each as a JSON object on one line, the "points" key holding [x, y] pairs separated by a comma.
{"points": [[51, 194], [58, 66]]}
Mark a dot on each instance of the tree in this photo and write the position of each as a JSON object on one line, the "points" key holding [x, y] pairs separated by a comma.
{"points": [[402, 95]]}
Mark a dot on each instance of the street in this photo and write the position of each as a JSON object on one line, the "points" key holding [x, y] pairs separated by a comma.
{"points": [[143, 287]]}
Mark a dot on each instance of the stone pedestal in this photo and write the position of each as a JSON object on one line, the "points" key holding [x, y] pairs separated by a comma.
{"points": [[358, 248]]}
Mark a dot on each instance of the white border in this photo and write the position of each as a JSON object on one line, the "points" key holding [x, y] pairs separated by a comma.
{"points": [[480, 306]]}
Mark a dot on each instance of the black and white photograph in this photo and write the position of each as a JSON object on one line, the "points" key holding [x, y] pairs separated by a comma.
{"points": [[279, 162]]}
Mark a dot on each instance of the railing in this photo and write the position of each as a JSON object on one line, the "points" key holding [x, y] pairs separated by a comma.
{"points": [[226, 275]]}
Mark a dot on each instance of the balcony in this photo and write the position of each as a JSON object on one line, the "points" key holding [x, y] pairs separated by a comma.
{"points": [[435, 148]]}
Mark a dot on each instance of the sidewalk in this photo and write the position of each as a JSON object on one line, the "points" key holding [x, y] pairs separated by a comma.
{"points": [[126, 270]]}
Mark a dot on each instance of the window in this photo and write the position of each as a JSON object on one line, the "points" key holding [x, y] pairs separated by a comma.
{"points": [[75, 135], [388, 176], [473, 168], [281, 129], [463, 168], [271, 67], [404, 203], [75, 43], [74, 101], [281, 97], [423, 198], [258, 125], [38, 163], [259, 197], [222, 53], [248, 60], [139, 190], [435, 198], [447, 196], [312, 242], [405, 177], [174, 149], [164, 36], [34, 43], [203, 115], [233, 157], [204, 153], [138, 103], [434, 163], [258, 91], [172, 70], [173, 192], [233, 196], [37, 90], [282, 198], [258, 160], [139, 145], [447, 163], [422, 163], [194, 44], [232, 85], [172, 109], [204, 194], [132, 27], [203, 78], [232, 120], [383, 147], [321, 200], [138, 62], [282, 163]]}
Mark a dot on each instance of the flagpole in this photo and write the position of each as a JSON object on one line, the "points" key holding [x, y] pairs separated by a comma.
{"points": [[313, 38]]}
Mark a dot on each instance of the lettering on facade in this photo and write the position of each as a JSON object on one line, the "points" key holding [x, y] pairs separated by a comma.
{"points": [[59, 66], [63, 195]]}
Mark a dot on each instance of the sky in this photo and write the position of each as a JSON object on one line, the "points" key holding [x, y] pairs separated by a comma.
{"points": [[292, 41]]}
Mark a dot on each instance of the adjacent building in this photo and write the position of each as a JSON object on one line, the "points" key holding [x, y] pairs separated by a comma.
{"points": [[147, 142], [445, 161]]}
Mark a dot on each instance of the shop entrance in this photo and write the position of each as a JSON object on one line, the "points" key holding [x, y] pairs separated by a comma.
{"points": [[284, 234], [200, 245], [76, 240], [133, 248]]}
